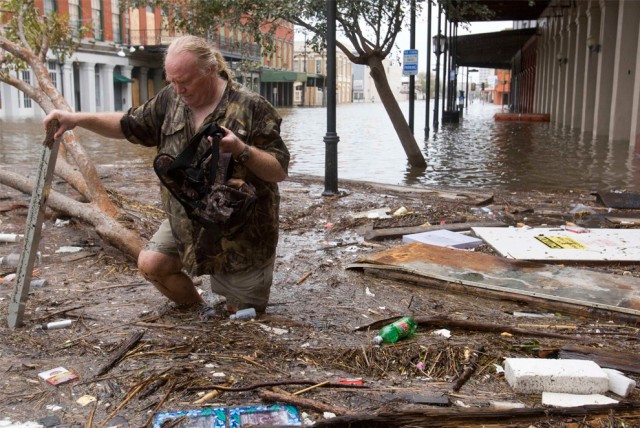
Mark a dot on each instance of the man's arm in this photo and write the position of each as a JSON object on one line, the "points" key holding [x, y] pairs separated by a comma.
{"points": [[105, 124]]}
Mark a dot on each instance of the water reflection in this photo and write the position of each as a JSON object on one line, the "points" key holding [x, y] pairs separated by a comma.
{"points": [[478, 152]]}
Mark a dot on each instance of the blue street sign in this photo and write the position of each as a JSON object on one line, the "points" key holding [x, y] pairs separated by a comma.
{"points": [[410, 62]]}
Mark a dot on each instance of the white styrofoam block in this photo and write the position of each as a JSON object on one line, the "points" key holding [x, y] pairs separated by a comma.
{"points": [[535, 375], [443, 238], [619, 383], [560, 399]]}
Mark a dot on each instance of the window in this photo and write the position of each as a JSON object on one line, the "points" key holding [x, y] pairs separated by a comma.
{"points": [[318, 66], [96, 19], [116, 21], [53, 72], [50, 6], [24, 99], [74, 16]]}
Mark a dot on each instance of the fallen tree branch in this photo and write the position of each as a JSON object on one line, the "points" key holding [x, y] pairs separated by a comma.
{"points": [[109, 229], [445, 417]]}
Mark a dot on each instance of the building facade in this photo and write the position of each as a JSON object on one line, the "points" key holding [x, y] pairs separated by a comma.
{"points": [[119, 62], [310, 92]]}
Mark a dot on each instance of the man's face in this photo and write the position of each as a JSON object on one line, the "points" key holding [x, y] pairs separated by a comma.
{"points": [[194, 87]]}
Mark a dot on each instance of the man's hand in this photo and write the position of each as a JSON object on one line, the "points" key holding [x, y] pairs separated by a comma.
{"points": [[230, 143], [65, 119]]}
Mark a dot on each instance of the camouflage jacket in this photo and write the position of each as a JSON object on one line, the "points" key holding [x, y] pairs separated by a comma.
{"points": [[167, 123]]}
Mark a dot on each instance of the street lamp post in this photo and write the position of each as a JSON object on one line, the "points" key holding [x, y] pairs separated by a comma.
{"points": [[428, 80], [331, 138], [438, 47], [412, 78]]}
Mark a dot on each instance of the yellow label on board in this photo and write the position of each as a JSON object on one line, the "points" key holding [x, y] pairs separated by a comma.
{"points": [[561, 242]]}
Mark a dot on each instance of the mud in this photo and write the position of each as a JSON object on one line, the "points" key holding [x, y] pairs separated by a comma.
{"points": [[307, 335]]}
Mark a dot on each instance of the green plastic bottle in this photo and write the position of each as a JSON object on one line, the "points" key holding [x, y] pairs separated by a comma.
{"points": [[404, 327]]}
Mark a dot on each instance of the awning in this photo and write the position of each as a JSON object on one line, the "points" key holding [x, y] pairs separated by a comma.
{"points": [[119, 78], [491, 50], [282, 76]]}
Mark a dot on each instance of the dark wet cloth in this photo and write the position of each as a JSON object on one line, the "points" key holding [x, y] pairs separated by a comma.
{"points": [[167, 123]]}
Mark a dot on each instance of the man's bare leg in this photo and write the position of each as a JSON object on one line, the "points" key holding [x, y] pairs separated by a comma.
{"points": [[165, 273]]}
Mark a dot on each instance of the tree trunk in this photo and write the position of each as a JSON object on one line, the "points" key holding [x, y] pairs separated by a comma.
{"points": [[126, 240], [408, 141]]}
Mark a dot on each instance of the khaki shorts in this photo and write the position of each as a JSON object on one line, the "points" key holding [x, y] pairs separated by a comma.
{"points": [[249, 289]]}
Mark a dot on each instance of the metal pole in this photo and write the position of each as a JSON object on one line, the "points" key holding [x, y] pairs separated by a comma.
{"points": [[412, 78], [445, 70], [466, 94], [331, 138], [437, 82], [428, 82]]}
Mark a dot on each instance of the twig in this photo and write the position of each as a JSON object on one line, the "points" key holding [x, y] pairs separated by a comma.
{"points": [[128, 398], [304, 278], [317, 385], [469, 369], [280, 395], [160, 403], [213, 394], [120, 352]]}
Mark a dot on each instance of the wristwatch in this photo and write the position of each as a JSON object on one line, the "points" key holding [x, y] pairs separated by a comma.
{"points": [[243, 157]]}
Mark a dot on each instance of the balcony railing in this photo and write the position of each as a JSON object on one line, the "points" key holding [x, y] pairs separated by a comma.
{"points": [[162, 37]]}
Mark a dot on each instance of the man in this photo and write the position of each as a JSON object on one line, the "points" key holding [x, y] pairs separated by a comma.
{"points": [[202, 91]]}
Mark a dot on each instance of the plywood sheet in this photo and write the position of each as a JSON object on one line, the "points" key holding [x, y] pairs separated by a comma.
{"points": [[552, 282], [559, 244]]}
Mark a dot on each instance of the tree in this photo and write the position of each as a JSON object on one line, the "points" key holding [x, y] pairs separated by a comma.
{"points": [[26, 38], [370, 27]]}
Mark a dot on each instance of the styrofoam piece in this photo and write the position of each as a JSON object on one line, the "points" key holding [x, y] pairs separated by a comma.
{"points": [[535, 375], [619, 383], [561, 399], [561, 244], [443, 238]]}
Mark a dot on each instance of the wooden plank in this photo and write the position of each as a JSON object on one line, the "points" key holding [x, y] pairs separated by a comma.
{"points": [[609, 358], [398, 232], [502, 277], [35, 216], [561, 244]]}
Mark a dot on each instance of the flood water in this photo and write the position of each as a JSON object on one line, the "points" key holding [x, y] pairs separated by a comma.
{"points": [[476, 153]]}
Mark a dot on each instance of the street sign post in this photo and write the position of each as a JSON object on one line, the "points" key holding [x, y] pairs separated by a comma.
{"points": [[410, 62]]}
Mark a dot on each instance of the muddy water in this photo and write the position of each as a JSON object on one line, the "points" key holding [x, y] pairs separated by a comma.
{"points": [[478, 152]]}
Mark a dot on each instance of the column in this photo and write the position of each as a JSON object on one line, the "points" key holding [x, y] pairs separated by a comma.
{"points": [[579, 58], [87, 87], [604, 81], [634, 137], [126, 89], [569, 67], [158, 81], [591, 67], [623, 76], [541, 69], [106, 72], [67, 84], [143, 82]]}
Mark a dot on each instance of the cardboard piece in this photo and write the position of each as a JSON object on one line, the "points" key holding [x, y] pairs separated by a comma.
{"points": [[563, 244], [58, 376], [469, 271], [443, 238]]}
